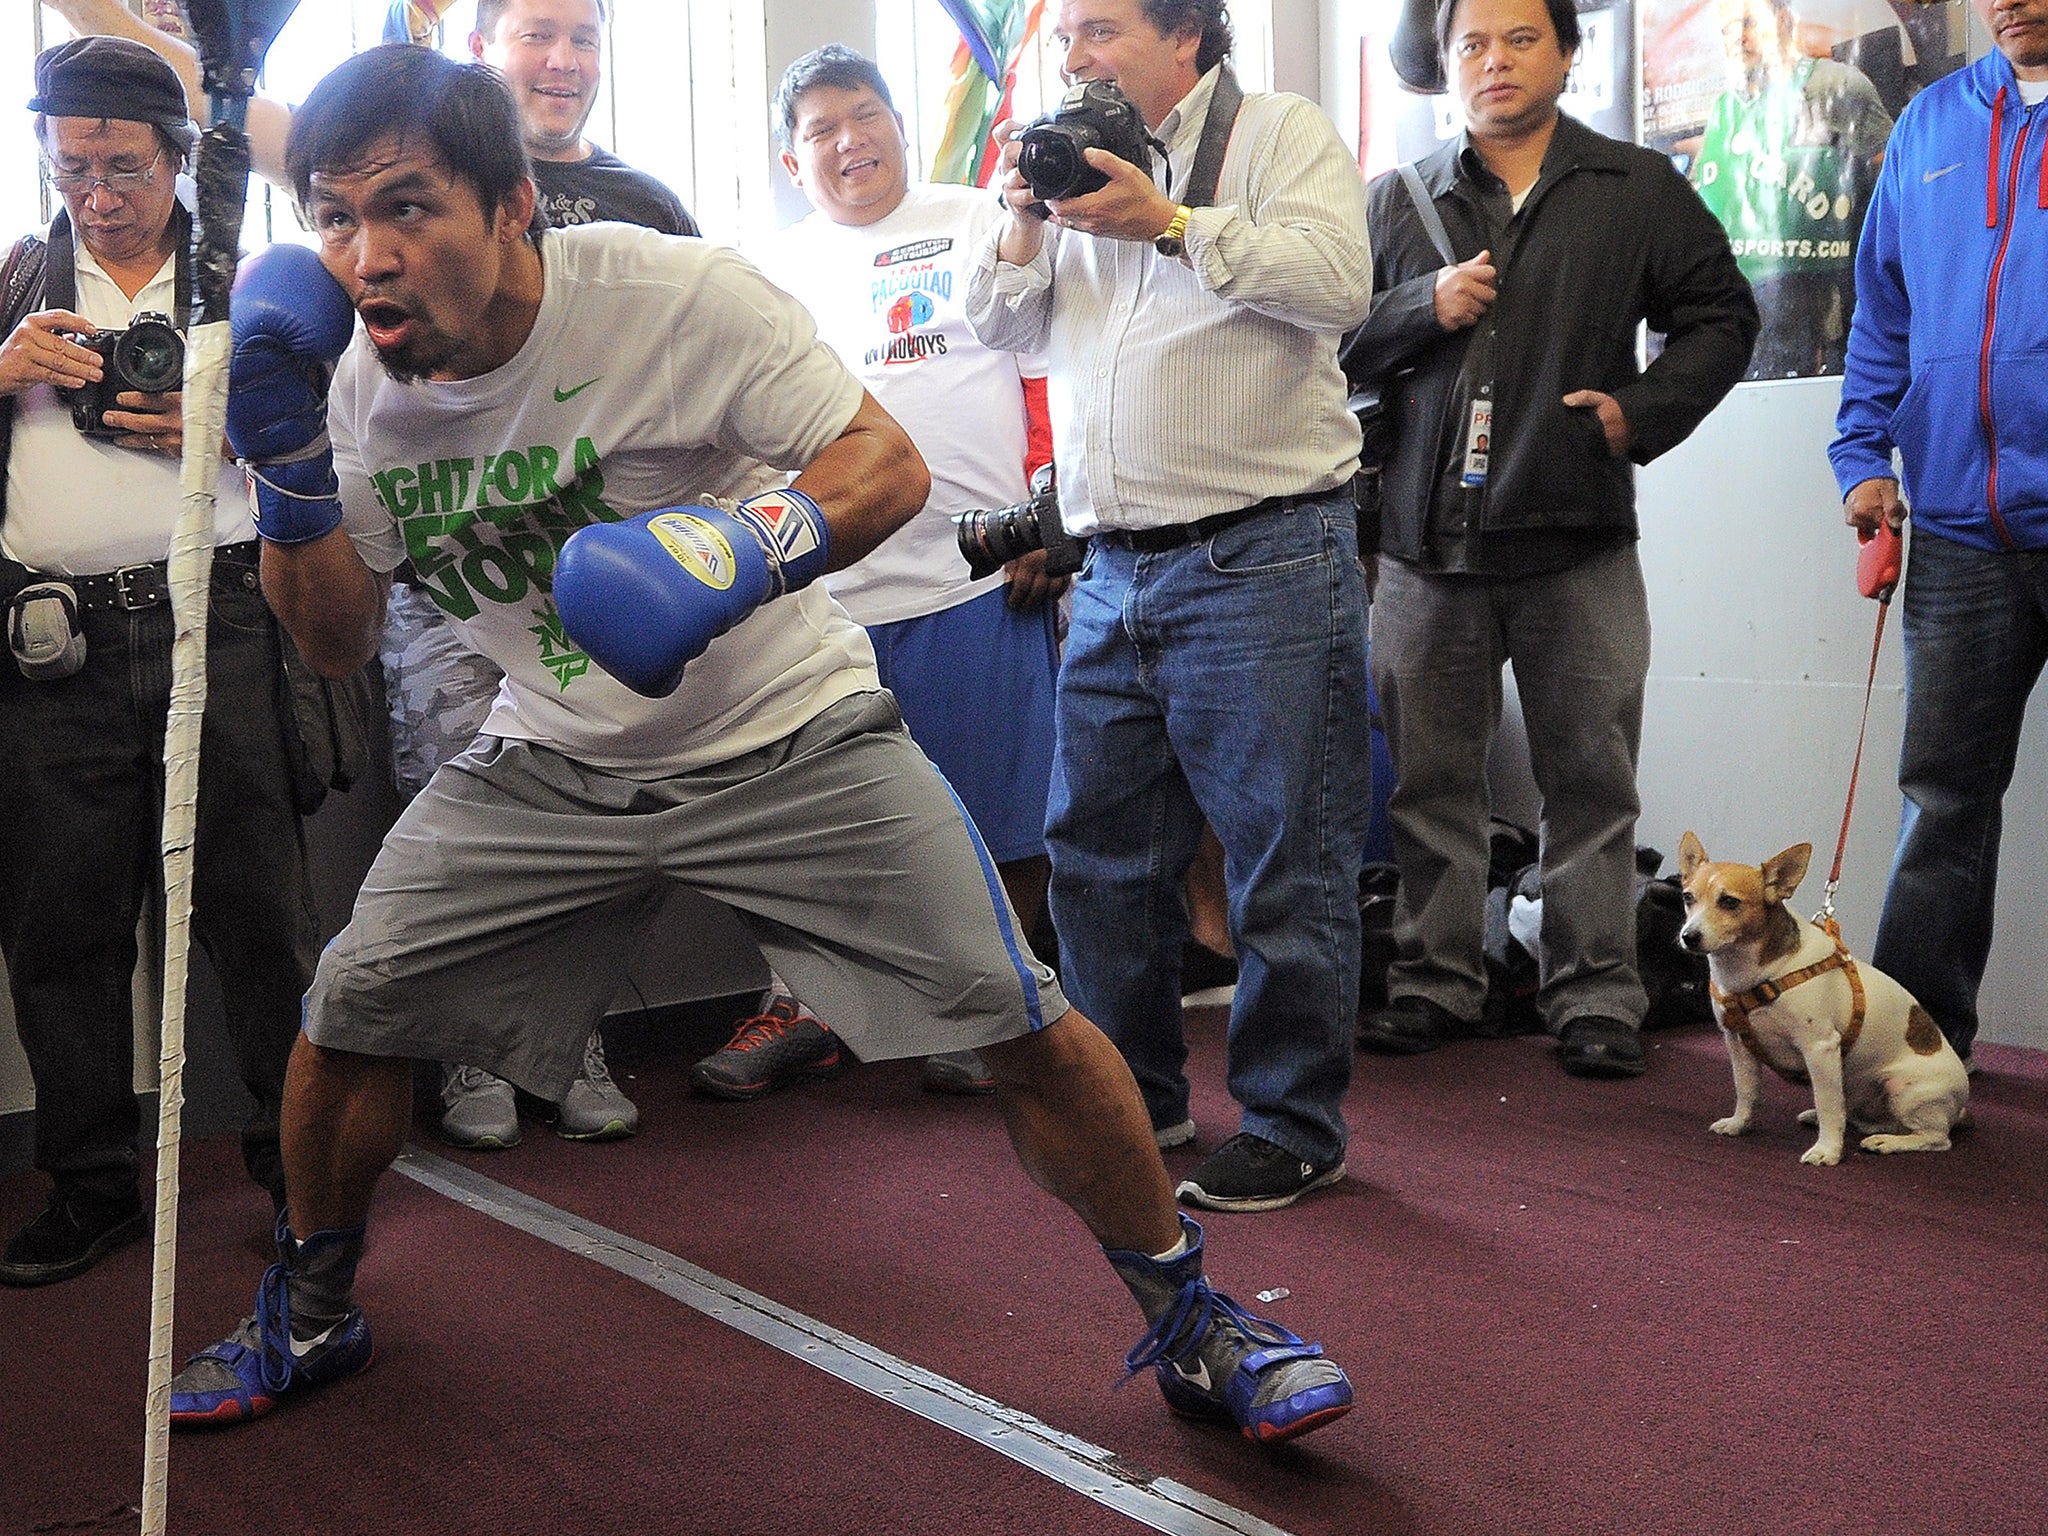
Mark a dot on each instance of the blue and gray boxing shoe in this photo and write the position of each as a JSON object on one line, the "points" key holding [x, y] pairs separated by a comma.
{"points": [[243, 1376], [1215, 1360]]}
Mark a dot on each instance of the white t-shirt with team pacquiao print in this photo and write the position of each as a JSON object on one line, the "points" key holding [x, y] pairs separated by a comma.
{"points": [[890, 298], [659, 371]]}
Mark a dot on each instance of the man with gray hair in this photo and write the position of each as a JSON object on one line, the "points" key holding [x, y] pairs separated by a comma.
{"points": [[91, 495]]}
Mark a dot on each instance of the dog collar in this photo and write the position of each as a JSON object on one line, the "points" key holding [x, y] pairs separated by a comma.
{"points": [[1736, 1007]]}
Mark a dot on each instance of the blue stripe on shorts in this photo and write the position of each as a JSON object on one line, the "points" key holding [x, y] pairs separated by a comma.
{"points": [[1026, 981]]}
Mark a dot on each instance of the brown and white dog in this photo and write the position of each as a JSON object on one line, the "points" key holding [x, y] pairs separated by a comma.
{"points": [[1787, 994]]}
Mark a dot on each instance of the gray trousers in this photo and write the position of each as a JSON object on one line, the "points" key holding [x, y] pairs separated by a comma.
{"points": [[1579, 641]]}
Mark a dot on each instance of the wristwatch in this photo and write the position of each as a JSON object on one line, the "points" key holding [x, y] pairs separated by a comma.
{"points": [[1173, 239]]}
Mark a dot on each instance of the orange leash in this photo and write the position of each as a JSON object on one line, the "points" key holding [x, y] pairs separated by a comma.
{"points": [[1827, 910], [1878, 567]]}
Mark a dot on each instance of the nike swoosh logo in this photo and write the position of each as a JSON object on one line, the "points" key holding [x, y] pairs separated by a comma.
{"points": [[1198, 1377], [1927, 176], [570, 394], [304, 1347]]}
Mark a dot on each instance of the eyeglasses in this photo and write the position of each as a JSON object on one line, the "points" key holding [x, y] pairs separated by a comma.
{"points": [[85, 183]]}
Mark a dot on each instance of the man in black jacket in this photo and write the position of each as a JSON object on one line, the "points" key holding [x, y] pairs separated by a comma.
{"points": [[1508, 523]]}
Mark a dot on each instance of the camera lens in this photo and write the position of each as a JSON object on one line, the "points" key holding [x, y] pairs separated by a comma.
{"points": [[150, 358], [990, 540], [1051, 161]]}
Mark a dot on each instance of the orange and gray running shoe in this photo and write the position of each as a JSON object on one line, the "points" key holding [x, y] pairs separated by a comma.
{"points": [[783, 1044]]}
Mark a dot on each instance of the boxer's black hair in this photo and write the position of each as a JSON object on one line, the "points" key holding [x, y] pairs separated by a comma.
{"points": [[464, 113]]}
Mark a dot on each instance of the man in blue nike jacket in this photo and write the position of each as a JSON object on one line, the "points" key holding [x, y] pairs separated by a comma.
{"points": [[1946, 365]]}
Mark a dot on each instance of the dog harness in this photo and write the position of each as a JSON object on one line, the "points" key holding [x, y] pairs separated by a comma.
{"points": [[1736, 1007]]}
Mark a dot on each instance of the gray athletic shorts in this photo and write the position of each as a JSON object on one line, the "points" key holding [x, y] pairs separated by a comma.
{"points": [[508, 900]]}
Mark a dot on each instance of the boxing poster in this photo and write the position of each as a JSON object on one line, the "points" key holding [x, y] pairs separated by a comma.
{"points": [[1777, 111]]}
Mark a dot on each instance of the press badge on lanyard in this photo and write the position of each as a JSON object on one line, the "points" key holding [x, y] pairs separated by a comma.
{"points": [[1478, 440]]}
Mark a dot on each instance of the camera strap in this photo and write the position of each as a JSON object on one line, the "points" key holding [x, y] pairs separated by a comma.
{"points": [[1200, 189], [40, 275], [60, 278]]}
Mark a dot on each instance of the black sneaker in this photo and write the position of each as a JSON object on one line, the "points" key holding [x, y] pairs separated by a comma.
{"points": [[958, 1072], [786, 1044], [1593, 1046], [1201, 968], [74, 1232], [1408, 1026], [1250, 1173]]}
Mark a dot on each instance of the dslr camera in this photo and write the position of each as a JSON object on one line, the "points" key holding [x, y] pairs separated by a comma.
{"points": [[1092, 115], [148, 356], [990, 540]]}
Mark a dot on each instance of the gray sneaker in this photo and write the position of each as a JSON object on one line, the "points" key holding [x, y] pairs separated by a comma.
{"points": [[594, 1109], [480, 1112]]}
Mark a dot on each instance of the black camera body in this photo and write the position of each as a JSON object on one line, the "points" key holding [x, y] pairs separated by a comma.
{"points": [[990, 540], [148, 356], [1092, 115]]}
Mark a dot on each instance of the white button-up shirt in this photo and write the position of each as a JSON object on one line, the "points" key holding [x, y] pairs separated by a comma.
{"points": [[1184, 387]]}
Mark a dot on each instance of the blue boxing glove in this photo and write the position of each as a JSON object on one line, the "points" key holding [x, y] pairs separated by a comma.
{"points": [[645, 597], [290, 322]]}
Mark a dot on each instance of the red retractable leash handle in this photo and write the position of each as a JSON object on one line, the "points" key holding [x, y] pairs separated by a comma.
{"points": [[1880, 559]]}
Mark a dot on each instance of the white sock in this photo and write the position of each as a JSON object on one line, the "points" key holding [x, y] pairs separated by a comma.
{"points": [[1175, 1251]]}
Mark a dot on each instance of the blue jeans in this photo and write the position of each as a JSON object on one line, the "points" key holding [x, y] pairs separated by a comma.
{"points": [[1226, 681], [1976, 628]]}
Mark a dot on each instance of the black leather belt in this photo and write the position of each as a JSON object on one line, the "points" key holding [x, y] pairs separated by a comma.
{"points": [[136, 587], [1155, 541]]}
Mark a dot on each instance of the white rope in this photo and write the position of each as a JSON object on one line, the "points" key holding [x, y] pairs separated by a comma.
{"points": [[191, 579]]}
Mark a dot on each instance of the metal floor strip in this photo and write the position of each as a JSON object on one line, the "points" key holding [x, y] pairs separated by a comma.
{"points": [[1101, 1475]]}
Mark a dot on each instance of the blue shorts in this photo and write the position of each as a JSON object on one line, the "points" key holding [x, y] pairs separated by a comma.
{"points": [[975, 684]]}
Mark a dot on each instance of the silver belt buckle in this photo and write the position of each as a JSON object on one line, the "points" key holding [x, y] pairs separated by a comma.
{"points": [[139, 586]]}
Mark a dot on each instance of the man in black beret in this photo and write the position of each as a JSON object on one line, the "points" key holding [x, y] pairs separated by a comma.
{"points": [[90, 438]]}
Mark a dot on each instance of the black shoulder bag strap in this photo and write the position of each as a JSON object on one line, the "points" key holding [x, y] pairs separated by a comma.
{"points": [[1368, 397], [1224, 101], [21, 281], [21, 294], [1425, 209]]}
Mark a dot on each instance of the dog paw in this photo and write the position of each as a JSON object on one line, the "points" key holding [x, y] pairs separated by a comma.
{"points": [[1822, 1157], [1734, 1125], [1891, 1143]]}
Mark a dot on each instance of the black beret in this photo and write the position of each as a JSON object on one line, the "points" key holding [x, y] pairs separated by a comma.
{"points": [[108, 77]]}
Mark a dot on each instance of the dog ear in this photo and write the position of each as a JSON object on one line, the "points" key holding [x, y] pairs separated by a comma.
{"points": [[1783, 873], [1690, 856]]}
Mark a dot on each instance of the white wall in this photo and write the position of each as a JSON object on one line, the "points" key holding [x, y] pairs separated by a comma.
{"points": [[1761, 648]]}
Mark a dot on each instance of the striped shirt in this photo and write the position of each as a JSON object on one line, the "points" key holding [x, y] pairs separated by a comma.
{"points": [[1184, 387]]}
